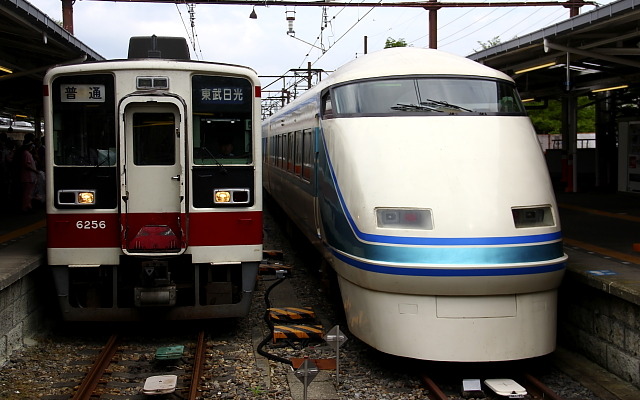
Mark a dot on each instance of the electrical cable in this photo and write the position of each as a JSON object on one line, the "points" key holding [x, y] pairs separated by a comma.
{"points": [[260, 350], [193, 37], [483, 26]]}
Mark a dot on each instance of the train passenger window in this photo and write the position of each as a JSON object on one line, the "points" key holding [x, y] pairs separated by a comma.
{"points": [[291, 147], [154, 139], [222, 120], [307, 156]]}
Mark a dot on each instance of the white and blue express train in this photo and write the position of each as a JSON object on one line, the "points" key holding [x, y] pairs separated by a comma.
{"points": [[418, 175]]}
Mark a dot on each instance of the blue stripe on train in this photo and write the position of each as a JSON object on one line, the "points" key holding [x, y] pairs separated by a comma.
{"points": [[448, 271]]}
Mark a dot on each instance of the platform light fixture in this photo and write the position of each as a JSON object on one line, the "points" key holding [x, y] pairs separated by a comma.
{"points": [[549, 64], [610, 88], [253, 14]]}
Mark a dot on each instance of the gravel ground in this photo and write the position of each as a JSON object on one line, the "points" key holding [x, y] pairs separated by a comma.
{"points": [[235, 370]]}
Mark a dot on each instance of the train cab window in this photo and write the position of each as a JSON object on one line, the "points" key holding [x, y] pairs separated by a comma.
{"points": [[222, 120], [84, 121], [434, 96]]}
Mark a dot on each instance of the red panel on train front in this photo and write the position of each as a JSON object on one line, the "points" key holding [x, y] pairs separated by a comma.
{"points": [[225, 228], [83, 230], [205, 229]]}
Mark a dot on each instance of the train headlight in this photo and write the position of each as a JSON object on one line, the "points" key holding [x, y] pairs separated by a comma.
{"points": [[529, 217], [86, 198], [231, 196], [77, 197], [404, 218], [222, 196]]}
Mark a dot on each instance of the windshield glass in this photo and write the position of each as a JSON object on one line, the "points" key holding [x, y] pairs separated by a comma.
{"points": [[83, 121], [432, 95], [222, 120]]}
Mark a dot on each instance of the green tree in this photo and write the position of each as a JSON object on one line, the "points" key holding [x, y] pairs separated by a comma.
{"points": [[549, 119], [490, 43], [391, 42]]}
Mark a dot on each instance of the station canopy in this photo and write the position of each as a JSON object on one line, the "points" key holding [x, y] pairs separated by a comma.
{"points": [[595, 50], [31, 43]]}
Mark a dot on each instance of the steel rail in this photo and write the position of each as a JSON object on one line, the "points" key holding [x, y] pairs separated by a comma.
{"points": [[433, 389], [90, 382], [535, 384], [198, 364]]}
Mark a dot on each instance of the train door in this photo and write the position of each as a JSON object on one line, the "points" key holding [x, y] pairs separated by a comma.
{"points": [[152, 148]]}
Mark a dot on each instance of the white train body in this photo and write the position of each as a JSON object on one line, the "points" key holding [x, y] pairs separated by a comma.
{"points": [[437, 214]]}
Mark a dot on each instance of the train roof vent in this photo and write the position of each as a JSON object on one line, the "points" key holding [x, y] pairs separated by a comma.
{"points": [[172, 48]]}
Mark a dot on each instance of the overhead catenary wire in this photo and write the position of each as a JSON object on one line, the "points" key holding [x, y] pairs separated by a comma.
{"points": [[467, 27], [343, 35], [192, 35]]}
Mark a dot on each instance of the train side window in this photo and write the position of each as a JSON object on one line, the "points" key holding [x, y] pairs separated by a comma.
{"points": [[290, 151], [327, 106], [297, 155], [281, 154], [307, 154]]}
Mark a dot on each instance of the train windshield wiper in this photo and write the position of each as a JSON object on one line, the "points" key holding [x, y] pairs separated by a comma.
{"points": [[414, 107], [444, 104], [224, 170]]}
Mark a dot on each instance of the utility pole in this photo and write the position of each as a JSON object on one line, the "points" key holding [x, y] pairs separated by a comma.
{"points": [[433, 26], [67, 15]]}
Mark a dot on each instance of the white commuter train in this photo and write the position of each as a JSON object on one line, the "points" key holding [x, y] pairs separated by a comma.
{"points": [[150, 215], [419, 177]]}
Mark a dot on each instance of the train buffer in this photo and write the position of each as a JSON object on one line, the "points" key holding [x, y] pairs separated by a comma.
{"points": [[292, 314], [298, 332]]}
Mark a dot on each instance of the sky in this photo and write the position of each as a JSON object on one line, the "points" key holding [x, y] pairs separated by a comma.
{"points": [[326, 37]]}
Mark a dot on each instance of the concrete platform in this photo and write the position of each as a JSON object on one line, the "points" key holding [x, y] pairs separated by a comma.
{"points": [[22, 284]]}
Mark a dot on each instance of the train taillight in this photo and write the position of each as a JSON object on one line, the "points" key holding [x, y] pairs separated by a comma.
{"points": [[404, 218], [529, 217]]}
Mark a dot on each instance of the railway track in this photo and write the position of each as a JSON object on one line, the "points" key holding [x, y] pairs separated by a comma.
{"points": [[138, 369], [532, 389]]}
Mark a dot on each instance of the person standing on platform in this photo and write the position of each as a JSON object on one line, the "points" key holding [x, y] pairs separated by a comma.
{"points": [[28, 174]]}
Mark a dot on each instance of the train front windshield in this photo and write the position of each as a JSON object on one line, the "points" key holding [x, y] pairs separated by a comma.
{"points": [[84, 131], [432, 95], [222, 120]]}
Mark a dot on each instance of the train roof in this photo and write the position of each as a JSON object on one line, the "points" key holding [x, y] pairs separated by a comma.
{"points": [[411, 61], [399, 61], [152, 63]]}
